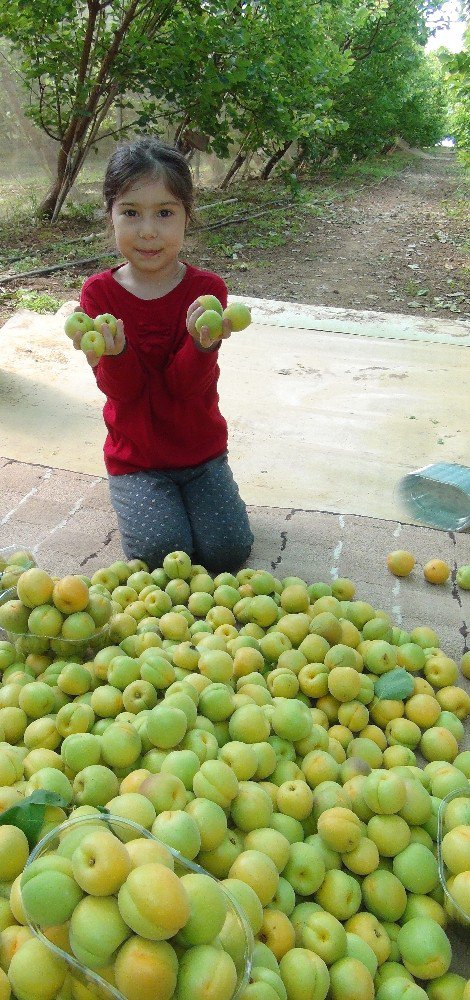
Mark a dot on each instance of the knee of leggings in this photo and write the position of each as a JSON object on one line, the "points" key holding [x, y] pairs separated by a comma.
{"points": [[228, 559]]}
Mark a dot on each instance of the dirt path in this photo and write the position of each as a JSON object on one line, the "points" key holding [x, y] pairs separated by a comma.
{"points": [[396, 245]]}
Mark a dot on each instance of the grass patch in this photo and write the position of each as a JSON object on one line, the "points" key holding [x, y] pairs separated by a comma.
{"points": [[84, 211], [23, 298], [281, 224], [372, 167], [263, 233]]}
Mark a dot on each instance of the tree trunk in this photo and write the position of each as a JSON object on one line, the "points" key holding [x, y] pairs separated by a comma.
{"points": [[80, 129], [247, 165], [47, 207], [68, 168], [274, 160], [73, 153], [237, 163], [178, 140]]}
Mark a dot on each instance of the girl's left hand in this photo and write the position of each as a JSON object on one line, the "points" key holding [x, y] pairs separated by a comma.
{"points": [[204, 339]]}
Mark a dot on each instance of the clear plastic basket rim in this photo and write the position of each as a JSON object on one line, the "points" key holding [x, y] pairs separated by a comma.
{"points": [[438, 495], [107, 819], [12, 595], [72, 644], [8, 595], [17, 547], [8, 550]]}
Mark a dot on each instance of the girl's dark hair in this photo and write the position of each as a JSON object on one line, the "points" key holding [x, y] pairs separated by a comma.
{"points": [[148, 155]]}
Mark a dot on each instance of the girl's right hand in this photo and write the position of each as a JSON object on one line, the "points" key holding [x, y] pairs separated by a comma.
{"points": [[114, 345]]}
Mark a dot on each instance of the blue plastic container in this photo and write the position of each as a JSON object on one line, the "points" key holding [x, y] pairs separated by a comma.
{"points": [[438, 495]]}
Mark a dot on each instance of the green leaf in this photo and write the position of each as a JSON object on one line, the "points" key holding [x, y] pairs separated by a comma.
{"points": [[29, 814], [395, 685]]}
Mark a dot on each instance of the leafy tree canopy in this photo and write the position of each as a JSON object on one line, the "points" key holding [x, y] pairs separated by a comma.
{"points": [[243, 75]]}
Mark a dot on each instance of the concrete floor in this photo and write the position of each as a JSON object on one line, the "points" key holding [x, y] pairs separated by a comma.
{"points": [[323, 425]]}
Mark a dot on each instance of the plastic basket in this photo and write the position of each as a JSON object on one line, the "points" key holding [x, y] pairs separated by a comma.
{"points": [[438, 495], [8, 550], [64, 649], [456, 912], [121, 828], [74, 650]]}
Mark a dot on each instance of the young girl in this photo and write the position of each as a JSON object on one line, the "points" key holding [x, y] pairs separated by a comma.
{"points": [[166, 449]]}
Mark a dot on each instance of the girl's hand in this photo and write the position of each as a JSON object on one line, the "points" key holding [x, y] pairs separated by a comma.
{"points": [[204, 339], [114, 345]]}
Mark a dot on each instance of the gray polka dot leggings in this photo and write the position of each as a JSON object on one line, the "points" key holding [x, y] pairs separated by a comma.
{"points": [[196, 509]]}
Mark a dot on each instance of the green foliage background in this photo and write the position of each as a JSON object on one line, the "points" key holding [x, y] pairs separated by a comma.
{"points": [[305, 79], [456, 70]]}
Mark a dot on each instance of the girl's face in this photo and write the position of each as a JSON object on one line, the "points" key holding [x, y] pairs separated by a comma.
{"points": [[149, 226]]}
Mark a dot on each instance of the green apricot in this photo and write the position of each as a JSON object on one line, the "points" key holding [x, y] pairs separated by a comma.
{"points": [[238, 314], [211, 302], [213, 321]]}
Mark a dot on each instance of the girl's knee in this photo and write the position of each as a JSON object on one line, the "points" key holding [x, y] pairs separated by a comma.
{"points": [[227, 558]]}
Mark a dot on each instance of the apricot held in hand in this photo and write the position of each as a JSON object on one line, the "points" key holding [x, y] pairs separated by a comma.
{"points": [[93, 341], [105, 319], [238, 314], [211, 302], [213, 321], [78, 322]]}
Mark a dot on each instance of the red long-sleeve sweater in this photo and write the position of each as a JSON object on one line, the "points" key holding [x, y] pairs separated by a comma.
{"points": [[161, 410]]}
